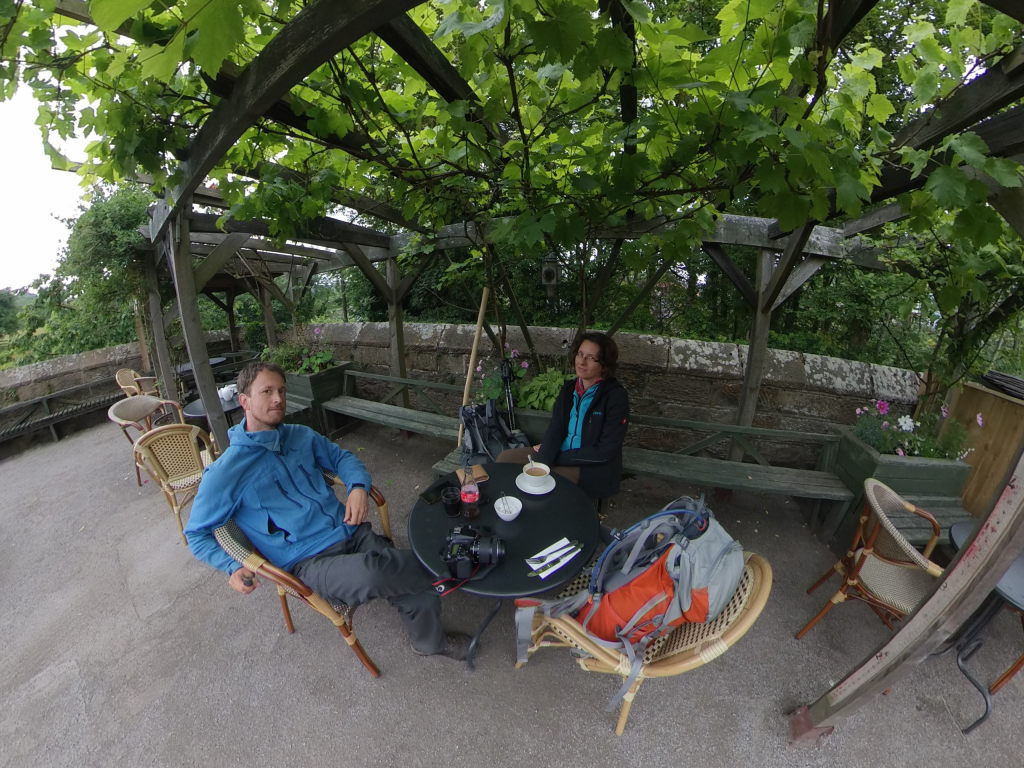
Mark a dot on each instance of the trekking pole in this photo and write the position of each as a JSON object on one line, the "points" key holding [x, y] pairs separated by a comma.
{"points": [[510, 403], [472, 356]]}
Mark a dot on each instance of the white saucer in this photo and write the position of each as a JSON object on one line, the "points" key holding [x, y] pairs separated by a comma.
{"points": [[547, 487]]}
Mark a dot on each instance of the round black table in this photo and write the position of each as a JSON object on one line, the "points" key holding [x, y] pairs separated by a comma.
{"points": [[186, 368], [196, 409], [1009, 590], [566, 511]]}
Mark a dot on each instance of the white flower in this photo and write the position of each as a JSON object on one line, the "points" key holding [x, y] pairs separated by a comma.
{"points": [[906, 423]]}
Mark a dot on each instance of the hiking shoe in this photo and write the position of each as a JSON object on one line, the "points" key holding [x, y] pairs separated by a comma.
{"points": [[456, 646]]}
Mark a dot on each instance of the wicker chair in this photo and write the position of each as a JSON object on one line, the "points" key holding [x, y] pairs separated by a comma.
{"points": [[237, 545], [135, 384], [689, 646], [142, 413], [172, 457], [880, 566]]}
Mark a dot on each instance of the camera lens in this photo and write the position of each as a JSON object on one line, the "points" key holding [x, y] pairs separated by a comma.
{"points": [[488, 550]]}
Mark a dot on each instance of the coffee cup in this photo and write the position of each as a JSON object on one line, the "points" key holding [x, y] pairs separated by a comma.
{"points": [[535, 475]]}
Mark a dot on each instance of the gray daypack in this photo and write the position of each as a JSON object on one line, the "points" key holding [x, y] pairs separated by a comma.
{"points": [[486, 434], [678, 565]]}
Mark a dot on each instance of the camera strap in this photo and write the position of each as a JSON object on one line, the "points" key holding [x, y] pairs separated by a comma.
{"points": [[444, 586]]}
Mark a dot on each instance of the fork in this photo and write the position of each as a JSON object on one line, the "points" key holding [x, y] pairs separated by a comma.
{"points": [[554, 555]]}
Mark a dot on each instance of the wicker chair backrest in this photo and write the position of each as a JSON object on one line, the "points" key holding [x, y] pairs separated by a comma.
{"points": [[890, 544]]}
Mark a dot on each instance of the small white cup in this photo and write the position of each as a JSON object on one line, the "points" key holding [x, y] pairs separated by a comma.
{"points": [[508, 508], [535, 476]]}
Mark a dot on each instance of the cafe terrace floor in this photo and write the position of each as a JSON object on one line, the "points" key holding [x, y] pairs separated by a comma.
{"points": [[120, 649]]}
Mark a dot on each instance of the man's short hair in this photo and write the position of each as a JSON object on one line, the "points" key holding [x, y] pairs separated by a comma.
{"points": [[248, 375]]}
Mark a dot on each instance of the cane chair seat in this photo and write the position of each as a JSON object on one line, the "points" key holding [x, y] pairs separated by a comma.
{"points": [[138, 414], [133, 383], [904, 587], [881, 568], [172, 457], [234, 541], [686, 648]]}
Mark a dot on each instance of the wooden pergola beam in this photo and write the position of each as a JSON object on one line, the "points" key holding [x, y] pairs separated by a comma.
{"points": [[317, 32], [994, 89], [318, 230], [1012, 8]]}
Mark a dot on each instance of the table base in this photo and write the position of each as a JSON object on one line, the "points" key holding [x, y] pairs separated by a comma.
{"points": [[474, 643], [967, 642]]}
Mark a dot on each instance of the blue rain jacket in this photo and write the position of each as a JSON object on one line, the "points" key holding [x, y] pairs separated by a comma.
{"points": [[270, 482]]}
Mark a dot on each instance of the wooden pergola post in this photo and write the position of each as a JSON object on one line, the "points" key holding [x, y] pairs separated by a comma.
{"points": [[165, 369], [757, 349], [184, 282], [974, 572], [268, 316], [396, 332]]}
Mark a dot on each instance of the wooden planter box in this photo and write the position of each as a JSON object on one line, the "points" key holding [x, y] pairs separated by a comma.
{"points": [[312, 389], [316, 387], [933, 484]]}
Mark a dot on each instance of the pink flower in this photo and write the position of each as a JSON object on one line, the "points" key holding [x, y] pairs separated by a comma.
{"points": [[980, 420], [318, 330], [859, 411], [899, 452], [945, 412], [479, 367], [515, 353], [882, 406], [524, 364]]}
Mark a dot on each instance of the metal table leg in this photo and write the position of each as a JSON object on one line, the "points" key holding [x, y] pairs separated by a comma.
{"points": [[967, 642], [471, 653]]}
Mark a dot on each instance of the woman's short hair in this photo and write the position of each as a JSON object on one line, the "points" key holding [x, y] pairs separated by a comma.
{"points": [[609, 350], [248, 375]]}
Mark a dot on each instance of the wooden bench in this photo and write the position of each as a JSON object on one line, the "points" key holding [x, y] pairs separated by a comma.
{"points": [[685, 466], [395, 416], [821, 484], [441, 422], [47, 411], [736, 475]]}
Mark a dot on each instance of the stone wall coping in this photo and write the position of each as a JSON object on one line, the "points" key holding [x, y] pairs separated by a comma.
{"points": [[639, 354]]}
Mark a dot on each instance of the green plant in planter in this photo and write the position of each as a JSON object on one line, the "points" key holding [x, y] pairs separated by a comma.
{"points": [[296, 354], [540, 392], [935, 436], [492, 386]]}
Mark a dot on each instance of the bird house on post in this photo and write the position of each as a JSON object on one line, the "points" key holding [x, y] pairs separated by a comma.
{"points": [[549, 274]]}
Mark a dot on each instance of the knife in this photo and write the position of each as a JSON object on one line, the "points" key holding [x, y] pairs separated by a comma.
{"points": [[554, 565], [539, 561]]}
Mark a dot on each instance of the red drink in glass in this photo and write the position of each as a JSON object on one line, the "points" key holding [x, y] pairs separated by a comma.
{"points": [[470, 500]]}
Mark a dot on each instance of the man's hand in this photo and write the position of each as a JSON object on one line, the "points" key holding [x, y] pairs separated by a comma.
{"points": [[357, 506], [243, 580]]}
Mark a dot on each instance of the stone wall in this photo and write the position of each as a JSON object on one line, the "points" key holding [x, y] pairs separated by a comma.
{"points": [[38, 379], [674, 378]]}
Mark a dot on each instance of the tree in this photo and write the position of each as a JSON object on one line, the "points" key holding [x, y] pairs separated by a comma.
{"points": [[557, 122], [91, 299], [8, 312]]}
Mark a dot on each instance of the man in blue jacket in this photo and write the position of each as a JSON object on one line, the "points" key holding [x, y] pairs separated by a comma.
{"points": [[269, 480]]}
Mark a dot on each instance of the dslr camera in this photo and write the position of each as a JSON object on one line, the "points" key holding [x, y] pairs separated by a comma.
{"points": [[467, 548]]}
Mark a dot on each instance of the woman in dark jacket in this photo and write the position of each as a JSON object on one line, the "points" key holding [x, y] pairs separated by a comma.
{"points": [[583, 441]]}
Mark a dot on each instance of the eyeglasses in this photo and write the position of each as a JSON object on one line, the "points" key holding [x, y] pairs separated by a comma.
{"points": [[587, 358]]}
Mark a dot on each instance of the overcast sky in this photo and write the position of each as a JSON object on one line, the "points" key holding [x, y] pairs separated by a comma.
{"points": [[32, 194]]}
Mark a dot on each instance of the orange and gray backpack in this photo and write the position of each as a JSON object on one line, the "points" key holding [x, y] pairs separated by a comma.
{"points": [[678, 565]]}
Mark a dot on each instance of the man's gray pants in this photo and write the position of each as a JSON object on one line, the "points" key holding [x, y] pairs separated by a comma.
{"points": [[365, 567]]}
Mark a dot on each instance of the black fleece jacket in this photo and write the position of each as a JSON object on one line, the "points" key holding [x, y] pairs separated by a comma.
{"points": [[599, 456]]}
